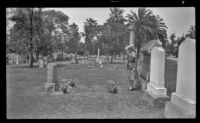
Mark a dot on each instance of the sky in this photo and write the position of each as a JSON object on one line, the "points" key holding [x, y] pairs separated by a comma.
{"points": [[177, 19]]}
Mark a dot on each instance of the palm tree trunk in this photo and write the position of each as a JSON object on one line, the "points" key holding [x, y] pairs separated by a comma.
{"points": [[137, 58], [136, 76], [123, 58], [37, 56], [107, 53], [31, 37]]}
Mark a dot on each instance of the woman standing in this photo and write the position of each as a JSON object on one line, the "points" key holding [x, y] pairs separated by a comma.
{"points": [[130, 64]]}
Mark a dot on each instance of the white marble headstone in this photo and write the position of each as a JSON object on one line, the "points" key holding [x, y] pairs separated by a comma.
{"points": [[184, 99], [41, 63], [17, 59], [157, 72]]}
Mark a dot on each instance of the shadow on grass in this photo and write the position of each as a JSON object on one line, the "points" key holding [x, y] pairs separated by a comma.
{"points": [[22, 66]]}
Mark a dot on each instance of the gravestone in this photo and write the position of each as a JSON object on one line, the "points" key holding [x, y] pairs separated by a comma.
{"points": [[17, 59], [156, 92], [74, 59], [97, 60], [183, 101], [146, 62], [100, 62], [13, 58], [45, 62], [157, 71], [52, 76], [41, 63], [146, 58]]}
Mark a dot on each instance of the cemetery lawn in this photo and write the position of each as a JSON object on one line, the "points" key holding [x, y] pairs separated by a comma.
{"points": [[27, 99]]}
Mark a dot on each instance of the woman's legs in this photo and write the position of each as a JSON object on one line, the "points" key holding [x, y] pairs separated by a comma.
{"points": [[131, 81], [131, 84]]}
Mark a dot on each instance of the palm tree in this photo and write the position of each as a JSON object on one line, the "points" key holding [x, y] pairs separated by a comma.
{"points": [[146, 27], [192, 32], [90, 31], [116, 15], [161, 30]]}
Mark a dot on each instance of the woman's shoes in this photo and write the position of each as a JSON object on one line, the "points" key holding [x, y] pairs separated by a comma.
{"points": [[132, 89]]}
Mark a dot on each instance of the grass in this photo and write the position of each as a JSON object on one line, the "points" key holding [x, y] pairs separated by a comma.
{"points": [[27, 99]]}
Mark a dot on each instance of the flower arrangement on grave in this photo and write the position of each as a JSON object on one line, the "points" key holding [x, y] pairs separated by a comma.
{"points": [[112, 87]]}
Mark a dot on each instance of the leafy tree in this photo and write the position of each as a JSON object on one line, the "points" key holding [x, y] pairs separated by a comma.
{"points": [[172, 38], [24, 30], [56, 31], [116, 31], [73, 41], [172, 46], [82, 46], [192, 32], [179, 41], [42, 32]]}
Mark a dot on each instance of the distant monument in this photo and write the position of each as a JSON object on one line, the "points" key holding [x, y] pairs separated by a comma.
{"points": [[132, 35], [98, 59], [52, 83], [41, 62], [17, 59]]}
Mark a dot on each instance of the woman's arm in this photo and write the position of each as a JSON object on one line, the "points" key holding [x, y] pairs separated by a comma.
{"points": [[127, 62]]}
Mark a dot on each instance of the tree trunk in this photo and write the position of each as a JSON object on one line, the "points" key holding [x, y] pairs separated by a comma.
{"points": [[31, 36], [37, 56], [114, 56], [136, 59], [62, 55], [136, 76], [107, 53], [123, 57], [111, 60], [31, 59], [164, 44], [88, 54]]}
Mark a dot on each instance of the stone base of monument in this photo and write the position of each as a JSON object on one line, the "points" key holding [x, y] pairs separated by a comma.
{"points": [[144, 75], [91, 66], [155, 97], [144, 79], [72, 62], [143, 84], [57, 93], [180, 108], [155, 100], [49, 86], [155, 90]]}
